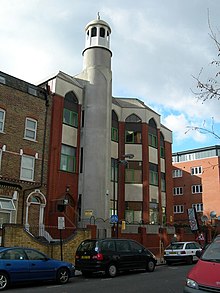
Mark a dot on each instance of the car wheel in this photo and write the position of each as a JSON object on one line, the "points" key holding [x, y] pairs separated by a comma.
{"points": [[4, 281], [111, 270], [62, 276], [150, 266], [189, 260]]}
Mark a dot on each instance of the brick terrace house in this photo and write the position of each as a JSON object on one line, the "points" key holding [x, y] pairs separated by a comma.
{"points": [[24, 141], [196, 177]]}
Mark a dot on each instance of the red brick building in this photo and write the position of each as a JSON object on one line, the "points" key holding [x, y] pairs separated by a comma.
{"points": [[196, 177]]}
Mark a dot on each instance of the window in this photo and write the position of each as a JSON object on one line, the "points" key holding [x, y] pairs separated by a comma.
{"points": [[70, 118], [153, 174], [177, 190], [2, 80], [177, 173], [68, 158], [94, 32], [102, 32], [153, 212], [163, 182], [32, 91], [133, 211], [178, 209], [2, 119], [114, 134], [198, 207], [114, 170], [133, 129], [196, 189], [133, 172], [196, 170], [70, 111], [152, 134], [30, 129], [27, 168], [162, 146]]}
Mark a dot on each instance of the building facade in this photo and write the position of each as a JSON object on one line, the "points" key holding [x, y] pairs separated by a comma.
{"points": [[24, 144], [108, 156], [196, 177]]}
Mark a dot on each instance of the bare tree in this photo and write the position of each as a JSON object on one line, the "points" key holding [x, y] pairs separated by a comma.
{"points": [[211, 88]]}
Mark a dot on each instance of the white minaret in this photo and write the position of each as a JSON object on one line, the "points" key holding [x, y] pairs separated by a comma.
{"points": [[96, 133]]}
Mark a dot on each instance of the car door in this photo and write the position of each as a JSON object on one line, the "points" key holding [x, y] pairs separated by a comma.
{"points": [[138, 255], [15, 263], [124, 255], [41, 267]]}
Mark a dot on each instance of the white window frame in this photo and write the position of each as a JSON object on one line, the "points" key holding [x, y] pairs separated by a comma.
{"points": [[196, 189], [198, 207], [2, 121], [177, 173], [6, 209], [32, 130], [178, 209], [196, 170], [25, 168], [178, 191]]}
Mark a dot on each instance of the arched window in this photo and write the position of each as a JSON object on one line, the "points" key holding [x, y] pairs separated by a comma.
{"points": [[70, 111], [94, 32], [114, 134], [102, 32], [152, 133], [133, 129], [162, 146]]}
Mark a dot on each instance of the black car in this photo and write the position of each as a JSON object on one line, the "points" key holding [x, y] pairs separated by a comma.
{"points": [[110, 256]]}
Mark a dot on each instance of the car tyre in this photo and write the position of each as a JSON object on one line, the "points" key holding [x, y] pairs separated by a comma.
{"points": [[112, 270], [4, 281], [62, 276], [150, 266]]}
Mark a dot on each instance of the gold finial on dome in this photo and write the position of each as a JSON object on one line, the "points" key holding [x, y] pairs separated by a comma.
{"points": [[98, 16]]}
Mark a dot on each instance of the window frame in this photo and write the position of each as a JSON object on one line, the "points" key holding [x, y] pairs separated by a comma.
{"points": [[178, 209], [196, 170], [73, 117], [2, 121], [134, 173], [178, 190], [196, 188], [27, 168], [31, 130], [71, 159]]}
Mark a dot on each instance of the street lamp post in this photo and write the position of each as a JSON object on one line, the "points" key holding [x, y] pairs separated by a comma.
{"points": [[115, 206]]}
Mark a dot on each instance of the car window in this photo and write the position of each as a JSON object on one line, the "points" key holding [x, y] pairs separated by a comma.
{"points": [[136, 247], [122, 246], [13, 254], [34, 255], [88, 246], [212, 252], [107, 245], [190, 246], [175, 246]]}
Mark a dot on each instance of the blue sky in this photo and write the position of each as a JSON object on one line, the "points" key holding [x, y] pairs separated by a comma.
{"points": [[157, 47]]}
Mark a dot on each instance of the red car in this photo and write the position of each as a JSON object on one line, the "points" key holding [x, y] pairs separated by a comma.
{"points": [[205, 275]]}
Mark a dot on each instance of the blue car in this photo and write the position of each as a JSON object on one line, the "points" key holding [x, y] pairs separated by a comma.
{"points": [[19, 264]]}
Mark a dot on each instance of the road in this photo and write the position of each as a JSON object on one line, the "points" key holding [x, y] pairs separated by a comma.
{"points": [[165, 279]]}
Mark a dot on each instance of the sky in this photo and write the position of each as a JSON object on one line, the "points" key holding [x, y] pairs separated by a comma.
{"points": [[158, 47]]}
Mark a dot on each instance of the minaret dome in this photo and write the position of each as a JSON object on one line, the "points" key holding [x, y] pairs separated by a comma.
{"points": [[97, 34]]}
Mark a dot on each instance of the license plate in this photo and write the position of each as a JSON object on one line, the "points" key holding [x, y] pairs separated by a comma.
{"points": [[172, 252], [85, 257]]}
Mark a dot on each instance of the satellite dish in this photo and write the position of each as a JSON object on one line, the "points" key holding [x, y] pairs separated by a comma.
{"points": [[213, 214], [204, 218]]}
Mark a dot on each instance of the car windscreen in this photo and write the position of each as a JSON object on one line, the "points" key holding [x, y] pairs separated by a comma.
{"points": [[176, 246], [212, 252], [88, 246]]}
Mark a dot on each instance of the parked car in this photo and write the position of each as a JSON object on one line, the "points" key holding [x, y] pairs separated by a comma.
{"points": [[204, 276], [19, 264], [110, 256], [182, 252]]}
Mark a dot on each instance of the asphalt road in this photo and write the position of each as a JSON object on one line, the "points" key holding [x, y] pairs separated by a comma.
{"points": [[165, 279]]}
